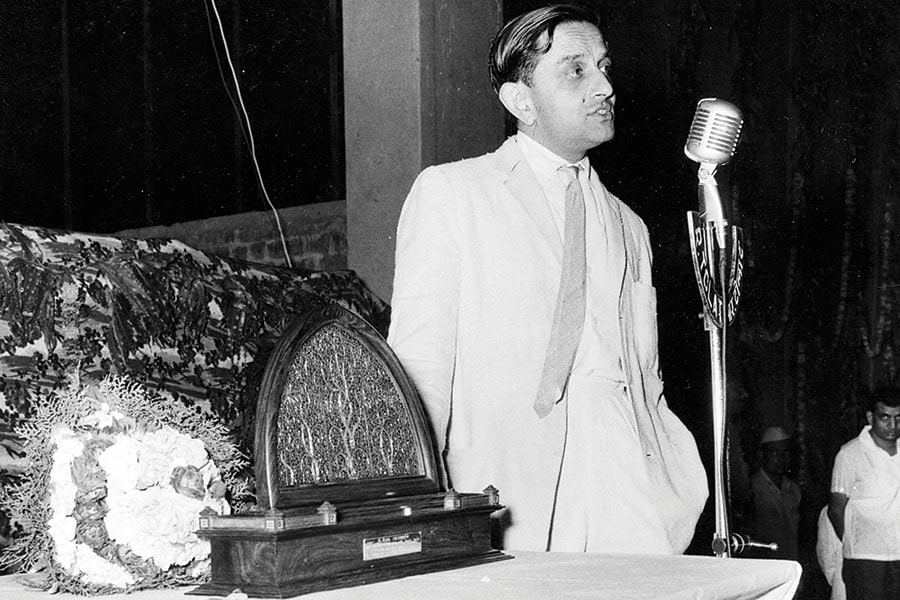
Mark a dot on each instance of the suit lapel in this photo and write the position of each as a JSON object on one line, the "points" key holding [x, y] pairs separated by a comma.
{"points": [[519, 180], [619, 245]]}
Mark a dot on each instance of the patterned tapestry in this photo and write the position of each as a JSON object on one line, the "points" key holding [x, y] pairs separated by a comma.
{"points": [[195, 327]]}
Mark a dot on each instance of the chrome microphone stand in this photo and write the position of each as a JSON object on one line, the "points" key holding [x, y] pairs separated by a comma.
{"points": [[718, 266]]}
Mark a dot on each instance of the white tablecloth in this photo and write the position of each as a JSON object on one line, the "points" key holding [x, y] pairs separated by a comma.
{"points": [[549, 576]]}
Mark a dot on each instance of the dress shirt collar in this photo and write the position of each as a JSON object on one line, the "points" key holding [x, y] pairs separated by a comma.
{"points": [[543, 161], [869, 443]]}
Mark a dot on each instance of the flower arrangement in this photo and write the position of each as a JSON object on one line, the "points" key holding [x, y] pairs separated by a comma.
{"points": [[115, 482]]}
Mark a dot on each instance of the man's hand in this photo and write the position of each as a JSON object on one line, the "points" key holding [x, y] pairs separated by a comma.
{"points": [[836, 508]]}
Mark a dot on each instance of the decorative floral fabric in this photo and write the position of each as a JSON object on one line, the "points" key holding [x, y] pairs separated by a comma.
{"points": [[185, 324]]}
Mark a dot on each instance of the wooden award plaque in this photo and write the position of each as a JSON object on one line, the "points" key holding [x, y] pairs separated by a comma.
{"points": [[349, 490]]}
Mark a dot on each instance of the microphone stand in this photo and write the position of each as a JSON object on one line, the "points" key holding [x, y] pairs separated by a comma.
{"points": [[718, 266]]}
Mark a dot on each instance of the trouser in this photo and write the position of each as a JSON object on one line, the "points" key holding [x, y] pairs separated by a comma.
{"points": [[871, 579], [604, 502]]}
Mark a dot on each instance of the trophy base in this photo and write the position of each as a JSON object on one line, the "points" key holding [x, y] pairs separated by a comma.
{"points": [[368, 544]]}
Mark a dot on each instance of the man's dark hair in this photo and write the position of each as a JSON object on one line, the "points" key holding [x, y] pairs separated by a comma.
{"points": [[888, 395], [516, 48]]}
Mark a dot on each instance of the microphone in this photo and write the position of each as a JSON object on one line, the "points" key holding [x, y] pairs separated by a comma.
{"points": [[712, 140]]}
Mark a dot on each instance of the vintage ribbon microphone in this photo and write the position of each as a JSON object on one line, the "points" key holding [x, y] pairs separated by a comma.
{"points": [[717, 256]]}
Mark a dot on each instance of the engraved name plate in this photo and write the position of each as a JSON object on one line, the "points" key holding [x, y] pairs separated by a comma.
{"points": [[386, 546]]}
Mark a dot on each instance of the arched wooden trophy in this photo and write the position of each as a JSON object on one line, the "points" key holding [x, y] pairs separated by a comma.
{"points": [[348, 485], [717, 256]]}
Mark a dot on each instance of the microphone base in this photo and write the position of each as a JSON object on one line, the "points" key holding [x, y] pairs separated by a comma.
{"points": [[739, 543], [720, 547]]}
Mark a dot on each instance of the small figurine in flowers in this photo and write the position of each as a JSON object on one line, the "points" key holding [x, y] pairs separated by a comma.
{"points": [[116, 481], [188, 481]]}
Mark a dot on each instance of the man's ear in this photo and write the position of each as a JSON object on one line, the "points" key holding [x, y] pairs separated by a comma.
{"points": [[516, 97], [869, 417]]}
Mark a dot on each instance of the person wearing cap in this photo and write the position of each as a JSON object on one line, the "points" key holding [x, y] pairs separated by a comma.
{"points": [[865, 502], [776, 498]]}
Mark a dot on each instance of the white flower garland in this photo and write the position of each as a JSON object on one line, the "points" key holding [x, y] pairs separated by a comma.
{"points": [[120, 478]]}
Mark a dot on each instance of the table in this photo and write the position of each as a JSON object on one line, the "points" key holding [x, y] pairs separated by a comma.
{"points": [[551, 576]]}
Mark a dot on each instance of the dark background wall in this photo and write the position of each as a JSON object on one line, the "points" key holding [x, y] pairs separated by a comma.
{"points": [[123, 113]]}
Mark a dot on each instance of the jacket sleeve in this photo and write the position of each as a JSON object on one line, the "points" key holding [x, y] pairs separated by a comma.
{"points": [[424, 305]]}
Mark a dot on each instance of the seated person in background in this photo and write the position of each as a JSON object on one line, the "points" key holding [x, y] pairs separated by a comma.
{"points": [[523, 310], [776, 498]]}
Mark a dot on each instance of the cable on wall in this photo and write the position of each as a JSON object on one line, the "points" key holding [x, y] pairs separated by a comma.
{"points": [[238, 102]]}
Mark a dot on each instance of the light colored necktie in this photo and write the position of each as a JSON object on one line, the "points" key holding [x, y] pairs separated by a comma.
{"points": [[568, 316]]}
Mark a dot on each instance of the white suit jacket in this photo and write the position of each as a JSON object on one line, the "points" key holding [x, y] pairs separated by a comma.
{"points": [[477, 270]]}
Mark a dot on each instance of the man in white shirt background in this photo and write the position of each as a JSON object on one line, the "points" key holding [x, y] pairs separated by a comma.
{"points": [[865, 502]]}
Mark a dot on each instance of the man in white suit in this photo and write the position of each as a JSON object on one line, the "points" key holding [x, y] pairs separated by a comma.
{"points": [[604, 466]]}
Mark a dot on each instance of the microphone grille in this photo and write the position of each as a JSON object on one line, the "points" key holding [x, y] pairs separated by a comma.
{"points": [[715, 131]]}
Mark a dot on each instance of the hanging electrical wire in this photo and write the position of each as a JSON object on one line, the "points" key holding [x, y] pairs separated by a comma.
{"points": [[240, 108]]}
